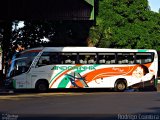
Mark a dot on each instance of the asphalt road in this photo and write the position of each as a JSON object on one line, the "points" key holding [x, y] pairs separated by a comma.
{"points": [[81, 106]]}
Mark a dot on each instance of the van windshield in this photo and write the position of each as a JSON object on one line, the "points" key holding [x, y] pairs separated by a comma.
{"points": [[21, 63]]}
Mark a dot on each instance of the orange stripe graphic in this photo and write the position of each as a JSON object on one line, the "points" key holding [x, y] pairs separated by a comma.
{"points": [[112, 71]]}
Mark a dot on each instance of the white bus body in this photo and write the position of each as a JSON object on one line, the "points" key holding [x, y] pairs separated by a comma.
{"points": [[84, 67]]}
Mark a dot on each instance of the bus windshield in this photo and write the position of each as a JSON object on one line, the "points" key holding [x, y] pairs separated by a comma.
{"points": [[21, 63]]}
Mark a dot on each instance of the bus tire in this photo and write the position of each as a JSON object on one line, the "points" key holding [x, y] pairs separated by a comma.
{"points": [[42, 86], [120, 85]]}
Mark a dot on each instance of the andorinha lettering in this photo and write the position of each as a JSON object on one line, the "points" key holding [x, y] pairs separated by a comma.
{"points": [[73, 67]]}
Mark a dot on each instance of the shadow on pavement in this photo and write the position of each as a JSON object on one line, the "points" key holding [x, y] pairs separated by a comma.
{"points": [[64, 90]]}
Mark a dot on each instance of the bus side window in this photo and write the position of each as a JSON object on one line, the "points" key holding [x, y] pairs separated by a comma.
{"points": [[44, 60], [68, 58], [125, 58], [131, 58], [138, 61], [48, 58], [83, 59], [74, 58], [87, 58], [54, 58], [102, 59], [121, 58], [106, 58], [92, 59], [143, 58], [110, 58]]}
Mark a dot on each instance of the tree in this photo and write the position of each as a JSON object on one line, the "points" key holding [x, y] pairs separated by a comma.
{"points": [[58, 33], [126, 24]]}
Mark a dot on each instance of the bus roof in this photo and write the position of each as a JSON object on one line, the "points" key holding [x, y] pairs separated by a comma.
{"points": [[86, 49], [33, 50], [93, 49]]}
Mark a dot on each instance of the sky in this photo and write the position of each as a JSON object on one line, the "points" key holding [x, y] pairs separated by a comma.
{"points": [[154, 4]]}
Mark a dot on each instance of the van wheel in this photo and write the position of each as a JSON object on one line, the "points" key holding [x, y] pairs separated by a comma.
{"points": [[120, 86], [42, 86]]}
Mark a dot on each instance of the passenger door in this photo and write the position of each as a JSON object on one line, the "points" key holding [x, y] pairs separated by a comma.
{"points": [[20, 81]]}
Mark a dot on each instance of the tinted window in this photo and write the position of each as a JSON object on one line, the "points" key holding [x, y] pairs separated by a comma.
{"points": [[68, 58], [125, 58], [142, 58], [107, 58], [87, 58]]}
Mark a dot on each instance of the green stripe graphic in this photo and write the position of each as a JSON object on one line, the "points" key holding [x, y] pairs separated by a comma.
{"points": [[64, 82]]}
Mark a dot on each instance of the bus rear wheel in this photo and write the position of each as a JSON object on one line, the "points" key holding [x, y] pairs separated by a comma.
{"points": [[120, 86], [42, 86]]}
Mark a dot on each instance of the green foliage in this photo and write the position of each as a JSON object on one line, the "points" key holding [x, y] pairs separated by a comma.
{"points": [[126, 24], [58, 33]]}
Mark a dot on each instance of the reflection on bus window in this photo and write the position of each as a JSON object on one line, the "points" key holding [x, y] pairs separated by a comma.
{"points": [[48, 58], [126, 58], [87, 58], [107, 58], [68, 58], [21, 64], [142, 58]]}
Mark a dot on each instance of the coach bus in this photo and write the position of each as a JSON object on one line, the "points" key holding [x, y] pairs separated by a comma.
{"points": [[84, 67]]}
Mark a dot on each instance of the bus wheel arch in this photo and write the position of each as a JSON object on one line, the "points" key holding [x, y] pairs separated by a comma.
{"points": [[120, 85], [42, 85]]}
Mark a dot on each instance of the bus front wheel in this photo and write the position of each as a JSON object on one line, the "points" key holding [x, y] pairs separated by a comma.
{"points": [[42, 86], [120, 86]]}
